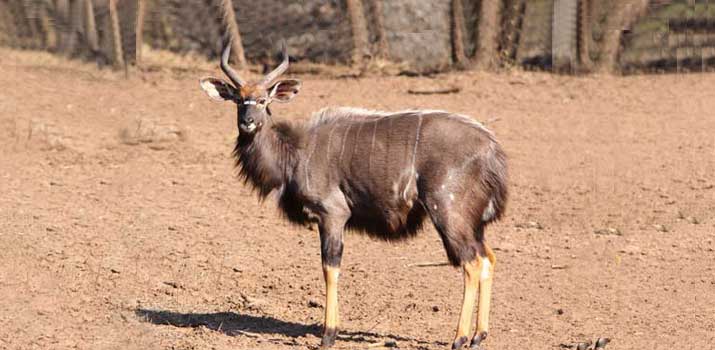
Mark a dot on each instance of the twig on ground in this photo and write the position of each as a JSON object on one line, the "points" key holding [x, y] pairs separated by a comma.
{"points": [[249, 334], [491, 120], [437, 91]]}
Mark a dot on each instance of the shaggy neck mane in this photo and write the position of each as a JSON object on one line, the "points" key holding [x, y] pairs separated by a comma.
{"points": [[267, 158]]}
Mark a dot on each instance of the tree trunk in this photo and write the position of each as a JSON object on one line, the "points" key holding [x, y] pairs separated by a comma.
{"points": [[564, 35], [359, 30], [229, 18], [29, 11], [139, 31], [512, 17], [90, 27], [74, 27], [62, 10], [488, 37], [383, 47], [585, 35], [458, 29], [118, 56], [48, 27], [622, 16]]}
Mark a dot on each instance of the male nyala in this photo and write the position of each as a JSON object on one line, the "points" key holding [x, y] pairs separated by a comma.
{"points": [[380, 173]]}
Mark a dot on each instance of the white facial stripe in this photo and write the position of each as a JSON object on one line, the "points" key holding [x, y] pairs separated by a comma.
{"points": [[485, 268], [249, 102]]}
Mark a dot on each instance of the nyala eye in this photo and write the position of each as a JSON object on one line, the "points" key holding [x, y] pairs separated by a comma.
{"points": [[261, 101]]}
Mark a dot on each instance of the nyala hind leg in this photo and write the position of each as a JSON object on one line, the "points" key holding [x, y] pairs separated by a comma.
{"points": [[487, 260]]}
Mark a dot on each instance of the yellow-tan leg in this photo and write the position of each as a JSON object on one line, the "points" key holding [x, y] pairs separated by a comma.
{"points": [[331, 305], [486, 277], [471, 283]]}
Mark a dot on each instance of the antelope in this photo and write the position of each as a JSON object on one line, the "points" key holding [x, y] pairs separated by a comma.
{"points": [[380, 173]]}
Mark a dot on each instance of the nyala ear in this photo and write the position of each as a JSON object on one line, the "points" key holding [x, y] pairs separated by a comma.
{"points": [[217, 89], [284, 90]]}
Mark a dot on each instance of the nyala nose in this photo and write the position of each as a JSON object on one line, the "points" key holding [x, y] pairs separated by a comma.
{"points": [[249, 120]]}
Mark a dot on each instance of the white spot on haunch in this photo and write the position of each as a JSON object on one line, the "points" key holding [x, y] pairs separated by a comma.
{"points": [[435, 207], [451, 196], [489, 211], [486, 265]]}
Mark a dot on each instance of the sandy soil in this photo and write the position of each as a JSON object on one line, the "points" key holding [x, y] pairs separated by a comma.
{"points": [[122, 225]]}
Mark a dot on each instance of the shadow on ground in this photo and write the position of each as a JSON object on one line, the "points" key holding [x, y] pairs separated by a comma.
{"points": [[233, 324]]}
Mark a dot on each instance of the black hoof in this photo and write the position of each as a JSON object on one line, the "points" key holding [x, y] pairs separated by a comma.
{"points": [[476, 343], [328, 340], [459, 343]]}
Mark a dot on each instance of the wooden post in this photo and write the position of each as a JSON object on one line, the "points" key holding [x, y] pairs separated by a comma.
{"points": [[383, 46], [458, 29], [488, 29], [229, 17], [139, 31], [116, 34], [359, 30]]}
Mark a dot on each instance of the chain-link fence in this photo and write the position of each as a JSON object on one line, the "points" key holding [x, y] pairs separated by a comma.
{"points": [[586, 35]]}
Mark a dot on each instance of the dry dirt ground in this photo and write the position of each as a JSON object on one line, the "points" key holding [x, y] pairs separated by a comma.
{"points": [[122, 225]]}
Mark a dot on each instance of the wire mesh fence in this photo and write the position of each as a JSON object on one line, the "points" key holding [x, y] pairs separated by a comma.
{"points": [[436, 35]]}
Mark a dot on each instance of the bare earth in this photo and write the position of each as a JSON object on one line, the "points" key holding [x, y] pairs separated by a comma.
{"points": [[122, 225]]}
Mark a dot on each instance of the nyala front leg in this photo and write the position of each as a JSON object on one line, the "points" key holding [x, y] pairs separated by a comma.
{"points": [[331, 252]]}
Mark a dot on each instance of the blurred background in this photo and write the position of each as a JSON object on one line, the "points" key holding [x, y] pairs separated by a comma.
{"points": [[404, 35]]}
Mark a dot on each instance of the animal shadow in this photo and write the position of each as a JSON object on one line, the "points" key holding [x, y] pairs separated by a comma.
{"points": [[235, 324]]}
